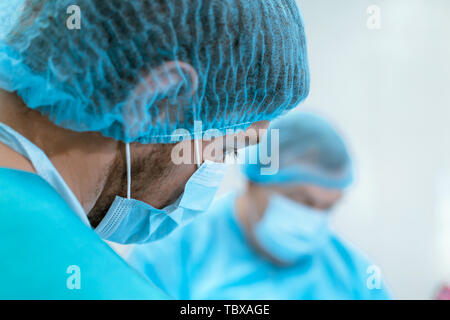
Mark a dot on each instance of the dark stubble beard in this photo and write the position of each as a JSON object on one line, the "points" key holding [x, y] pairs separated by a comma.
{"points": [[148, 173]]}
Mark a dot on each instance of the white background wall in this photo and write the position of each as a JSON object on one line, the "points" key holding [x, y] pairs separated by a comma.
{"points": [[389, 92]]}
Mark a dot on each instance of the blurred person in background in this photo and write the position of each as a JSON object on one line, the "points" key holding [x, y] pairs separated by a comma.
{"points": [[443, 293], [274, 240]]}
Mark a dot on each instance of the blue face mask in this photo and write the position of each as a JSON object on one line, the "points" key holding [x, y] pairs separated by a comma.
{"points": [[289, 230], [130, 221]]}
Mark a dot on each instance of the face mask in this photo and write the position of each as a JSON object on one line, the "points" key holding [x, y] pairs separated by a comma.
{"points": [[132, 221], [289, 230], [43, 166]]}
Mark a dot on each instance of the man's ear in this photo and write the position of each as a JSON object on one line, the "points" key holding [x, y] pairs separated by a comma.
{"points": [[171, 80], [168, 79]]}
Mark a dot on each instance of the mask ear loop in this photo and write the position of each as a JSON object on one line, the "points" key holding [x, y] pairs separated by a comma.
{"points": [[196, 142], [197, 153], [128, 160]]}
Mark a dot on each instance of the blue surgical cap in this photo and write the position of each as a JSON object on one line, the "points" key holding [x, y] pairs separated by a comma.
{"points": [[248, 57], [310, 152]]}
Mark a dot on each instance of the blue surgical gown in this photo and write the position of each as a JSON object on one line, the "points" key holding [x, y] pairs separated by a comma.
{"points": [[212, 259], [41, 238]]}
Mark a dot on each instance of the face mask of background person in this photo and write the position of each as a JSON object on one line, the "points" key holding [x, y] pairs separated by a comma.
{"points": [[85, 109], [259, 203]]}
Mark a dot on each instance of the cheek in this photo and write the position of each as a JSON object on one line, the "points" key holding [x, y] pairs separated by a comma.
{"points": [[172, 186], [180, 176], [335, 198]]}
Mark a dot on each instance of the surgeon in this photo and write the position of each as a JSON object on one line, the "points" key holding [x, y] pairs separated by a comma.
{"points": [[273, 241], [115, 117]]}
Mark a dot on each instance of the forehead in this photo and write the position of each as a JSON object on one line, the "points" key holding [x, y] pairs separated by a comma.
{"points": [[260, 125], [311, 192]]}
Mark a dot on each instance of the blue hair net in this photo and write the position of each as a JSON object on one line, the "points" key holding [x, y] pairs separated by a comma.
{"points": [[310, 152], [138, 70]]}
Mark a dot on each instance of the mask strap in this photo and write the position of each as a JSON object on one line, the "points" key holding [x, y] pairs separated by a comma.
{"points": [[128, 159], [197, 152], [196, 141]]}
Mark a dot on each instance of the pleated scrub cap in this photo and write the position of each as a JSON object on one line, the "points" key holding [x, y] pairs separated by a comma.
{"points": [[138, 70]]}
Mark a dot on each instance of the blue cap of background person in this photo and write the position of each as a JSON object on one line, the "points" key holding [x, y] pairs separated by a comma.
{"points": [[311, 151]]}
